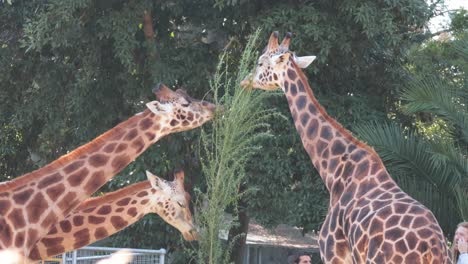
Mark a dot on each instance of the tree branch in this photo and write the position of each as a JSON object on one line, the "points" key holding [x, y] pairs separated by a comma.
{"points": [[148, 26]]}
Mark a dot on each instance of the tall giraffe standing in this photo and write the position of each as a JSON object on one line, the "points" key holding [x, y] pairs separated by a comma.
{"points": [[370, 219], [31, 204], [98, 218]]}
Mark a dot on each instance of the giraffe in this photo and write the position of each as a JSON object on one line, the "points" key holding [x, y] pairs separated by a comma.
{"points": [[370, 219], [31, 204], [100, 217]]}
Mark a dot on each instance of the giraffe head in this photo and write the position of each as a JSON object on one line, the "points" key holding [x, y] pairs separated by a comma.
{"points": [[183, 112], [173, 203], [273, 65]]}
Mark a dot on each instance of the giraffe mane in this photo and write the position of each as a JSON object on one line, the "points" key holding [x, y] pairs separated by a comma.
{"points": [[82, 150]]}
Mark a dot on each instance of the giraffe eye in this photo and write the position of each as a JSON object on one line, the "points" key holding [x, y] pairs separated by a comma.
{"points": [[260, 64], [185, 104], [181, 205]]}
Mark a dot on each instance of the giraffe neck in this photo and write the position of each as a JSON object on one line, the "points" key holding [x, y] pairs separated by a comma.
{"points": [[98, 218], [335, 153], [32, 203]]}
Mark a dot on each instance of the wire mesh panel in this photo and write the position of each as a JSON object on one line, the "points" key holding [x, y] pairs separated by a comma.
{"points": [[91, 255]]}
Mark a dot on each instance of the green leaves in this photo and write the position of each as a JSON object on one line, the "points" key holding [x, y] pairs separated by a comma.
{"points": [[438, 96], [227, 148]]}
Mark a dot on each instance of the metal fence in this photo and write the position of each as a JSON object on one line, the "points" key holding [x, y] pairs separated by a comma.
{"points": [[91, 255]]}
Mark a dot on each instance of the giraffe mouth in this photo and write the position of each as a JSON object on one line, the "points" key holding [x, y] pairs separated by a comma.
{"points": [[247, 83], [191, 235]]}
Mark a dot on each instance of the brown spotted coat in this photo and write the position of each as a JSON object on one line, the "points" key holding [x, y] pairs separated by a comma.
{"points": [[370, 219]]}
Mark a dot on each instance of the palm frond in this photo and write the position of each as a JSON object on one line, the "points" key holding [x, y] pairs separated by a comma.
{"points": [[404, 153], [440, 97], [423, 169]]}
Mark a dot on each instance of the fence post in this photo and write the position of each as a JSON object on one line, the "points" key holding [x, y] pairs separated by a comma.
{"points": [[162, 255], [64, 258], [74, 256]]}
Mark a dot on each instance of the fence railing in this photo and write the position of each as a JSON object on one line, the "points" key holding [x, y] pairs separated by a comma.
{"points": [[91, 255]]}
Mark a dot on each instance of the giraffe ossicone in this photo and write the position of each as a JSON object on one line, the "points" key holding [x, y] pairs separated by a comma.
{"points": [[31, 204], [370, 219], [100, 217]]}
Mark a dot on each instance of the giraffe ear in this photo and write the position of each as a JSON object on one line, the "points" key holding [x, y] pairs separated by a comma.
{"points": [[157, 107], [304, 61], [280, 59], [156, 182]]}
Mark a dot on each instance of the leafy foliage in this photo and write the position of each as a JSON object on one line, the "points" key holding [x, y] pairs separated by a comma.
{"points": [[227, 148]]}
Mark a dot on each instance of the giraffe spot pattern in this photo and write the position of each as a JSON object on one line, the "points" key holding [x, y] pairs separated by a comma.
{"points": [[98, 160], [292, 74], [142, 194], [82, 238], [286, 87], [301, 102], [96, 180], [49, 220], [22, 197], [312, 130], [66, 226], [17, 218], [124, 201], [337, 148], [5, 233], [100, 233], [138, 145], [78, 220], [174, 122], [293, 89], [51, 179], [36, 208], [131, 135], [32, 236], [118, 222], [120, 162], [104, 210], [4, 206], [132, 211], [19, 239], [67, 202], [55, 250], [150, 136], [55, 191], [146, 124], [121, 147], [325, 133], [300, 86], [96, 219], [73, 167], [78, 177], [109, 148], [51, 242], [53, 231]]}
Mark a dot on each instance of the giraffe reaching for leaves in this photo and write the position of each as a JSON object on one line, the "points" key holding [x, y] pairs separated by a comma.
{"points": [[98, 218], [31, 204], [370, 219]]}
